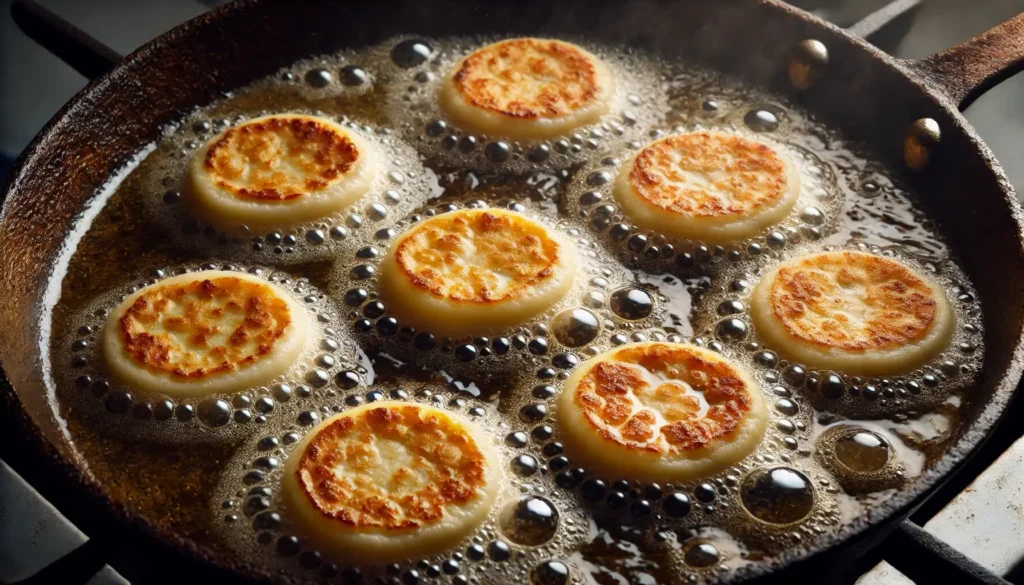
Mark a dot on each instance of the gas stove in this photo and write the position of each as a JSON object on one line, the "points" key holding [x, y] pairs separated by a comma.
{"points": [[967, 532]]}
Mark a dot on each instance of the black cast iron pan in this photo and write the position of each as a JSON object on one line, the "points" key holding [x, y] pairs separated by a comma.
{"points": [[867, 94]]}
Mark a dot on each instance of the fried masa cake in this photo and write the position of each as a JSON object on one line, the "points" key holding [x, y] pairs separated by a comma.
{"points": [[854, 312], [658, 411], [389, 481], [204, 333], [476, 271], [709, 186], [527, 89], [279, 171]]}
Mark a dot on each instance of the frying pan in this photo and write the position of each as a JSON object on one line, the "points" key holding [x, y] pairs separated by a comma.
{"points": [[907, 111]]}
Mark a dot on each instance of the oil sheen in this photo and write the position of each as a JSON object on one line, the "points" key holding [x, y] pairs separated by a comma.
{"points": [[836, 445]]}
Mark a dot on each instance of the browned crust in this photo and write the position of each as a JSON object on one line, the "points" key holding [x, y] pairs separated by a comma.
{"points": [[434, 256], [245, 160], [897, 306], [604, 396], [566, 78], [442, 448], [750, 174], [264, 318]]}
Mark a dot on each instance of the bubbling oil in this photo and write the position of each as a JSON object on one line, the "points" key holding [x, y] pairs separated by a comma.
{"points": [[836, 445], [85, 386]]}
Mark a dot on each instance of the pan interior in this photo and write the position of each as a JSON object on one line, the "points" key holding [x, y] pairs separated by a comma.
{"points": [[143, 448]]}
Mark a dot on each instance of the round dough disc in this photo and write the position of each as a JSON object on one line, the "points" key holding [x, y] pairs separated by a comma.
{"points": [[658, 411], [853, 312], [390, 481], [527, 89], [709, 186], [279, 171], [476, 271], [204, 333]]}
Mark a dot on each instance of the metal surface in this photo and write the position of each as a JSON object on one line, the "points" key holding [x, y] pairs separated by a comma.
{"points": [[966, 71], [867, 94], [807, 63], [82, 52], [923, 140], [945, 564]]}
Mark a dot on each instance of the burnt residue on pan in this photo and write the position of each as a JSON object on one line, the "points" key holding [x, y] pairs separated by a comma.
{"points": [[837, 445]]}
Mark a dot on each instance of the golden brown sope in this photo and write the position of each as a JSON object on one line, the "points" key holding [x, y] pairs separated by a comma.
{"points": [[657, 411], [476, 271], [390, 481], [279, 171], [527, 89], [714, 187], [204, 333], [854, 312]]}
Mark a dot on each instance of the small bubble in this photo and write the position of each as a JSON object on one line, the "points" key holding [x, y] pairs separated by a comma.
{"points": [[288, 546], [538, 346], [787, 407], [761, 120], [598, 178], [517, 439], [467, 144], [533, 412], [700, 554], [632, 304], [316, 377], [308, 417], [540, 153], [319, 77], [550, 572], [466, 353], [543, 433], [778, 496], [352, 75], [530, 521], [731, 329], [794, 375], [637, 242], [812, 216], [436, 128], [832, 386], [214, 412], [705, 492], [184, 412], [411, 53], [544, 391], [499, 551], [862, 451], [497, 151], [524, 465], [766, 358]]}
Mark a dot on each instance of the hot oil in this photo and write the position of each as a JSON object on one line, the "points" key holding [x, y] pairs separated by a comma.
{"points": [[836, 446]]}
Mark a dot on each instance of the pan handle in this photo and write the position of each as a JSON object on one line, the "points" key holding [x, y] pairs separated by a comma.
{"points": [[71, 44], [968, 70]]}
